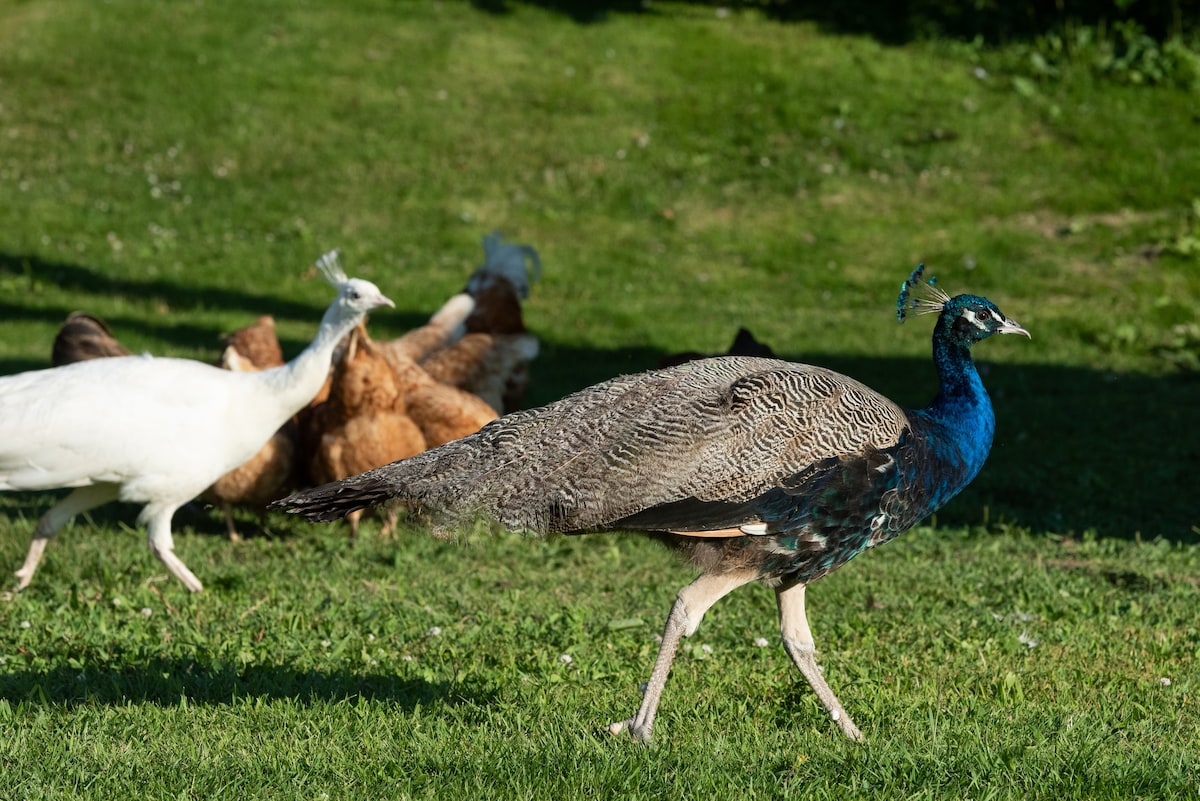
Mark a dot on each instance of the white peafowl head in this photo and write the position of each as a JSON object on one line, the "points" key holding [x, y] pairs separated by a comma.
{"points": [[356, 296]]}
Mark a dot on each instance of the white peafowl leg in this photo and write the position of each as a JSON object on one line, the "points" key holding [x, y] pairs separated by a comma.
{"points": [[798, 642], [80, 500], [157, 519], [690, 605], [230, 528]]}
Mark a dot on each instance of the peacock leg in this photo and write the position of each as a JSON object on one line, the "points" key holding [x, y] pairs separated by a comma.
{"points": [[798, 642], [80, 500], [157, 518], [688, 610]]}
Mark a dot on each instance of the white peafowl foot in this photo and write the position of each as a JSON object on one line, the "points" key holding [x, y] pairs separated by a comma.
{"points": [[178, 568], [25, 574], [23, 578]]}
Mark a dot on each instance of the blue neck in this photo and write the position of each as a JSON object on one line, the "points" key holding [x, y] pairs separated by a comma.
{"points": [[962, 409]]}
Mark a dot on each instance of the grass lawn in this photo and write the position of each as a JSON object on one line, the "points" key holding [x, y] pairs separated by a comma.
{"points": [[174, 168]]}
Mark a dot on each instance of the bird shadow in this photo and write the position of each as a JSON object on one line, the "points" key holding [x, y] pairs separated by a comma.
{"points": [[167, 682]]}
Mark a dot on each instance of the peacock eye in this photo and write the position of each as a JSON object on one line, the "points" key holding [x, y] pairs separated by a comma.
{"points": [[353, 294], [983, 315]]}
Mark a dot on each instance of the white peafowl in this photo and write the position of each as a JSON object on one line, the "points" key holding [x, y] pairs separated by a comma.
{"points": [[752, 469], [155, 431]]}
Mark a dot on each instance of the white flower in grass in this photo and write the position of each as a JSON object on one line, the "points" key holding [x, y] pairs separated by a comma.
{"points": [[761, 642], [25, 624], [147, 611], [325, 643], [706, 648], [1164, 681], [1026, 640], [566, 659], [434, 631]]}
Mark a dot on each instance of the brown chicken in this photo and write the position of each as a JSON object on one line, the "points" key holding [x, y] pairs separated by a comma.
{"points": [[492, 358], [257, 344], [84, 337], [442, 412], [444, 328], [269, 474], [363, 423]]}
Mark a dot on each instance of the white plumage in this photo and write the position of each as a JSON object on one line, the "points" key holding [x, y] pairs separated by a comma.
{"points": [[155, 431]]}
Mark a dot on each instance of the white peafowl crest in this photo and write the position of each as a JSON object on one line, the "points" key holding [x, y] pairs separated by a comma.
{"points": [[509, 260]]}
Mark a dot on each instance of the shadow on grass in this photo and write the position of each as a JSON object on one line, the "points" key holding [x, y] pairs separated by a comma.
{"points": [[165, 682], [88, 281], [900, 23], [1076, 449]]}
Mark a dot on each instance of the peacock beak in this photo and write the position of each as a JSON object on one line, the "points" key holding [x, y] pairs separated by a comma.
{"points": [[1011, 327]]}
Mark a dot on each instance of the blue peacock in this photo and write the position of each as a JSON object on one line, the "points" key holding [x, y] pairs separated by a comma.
{"points": [[751, 469]]}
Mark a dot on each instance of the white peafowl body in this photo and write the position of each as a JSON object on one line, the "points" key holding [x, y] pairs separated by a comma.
{"points": [[155, 431]]}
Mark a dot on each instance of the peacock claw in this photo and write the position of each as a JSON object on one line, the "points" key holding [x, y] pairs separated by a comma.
{"points": [[620, 726], [630, 726]]}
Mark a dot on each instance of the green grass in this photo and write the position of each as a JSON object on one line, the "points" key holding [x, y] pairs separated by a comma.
{"points": [[174, 168], [979, 663]]}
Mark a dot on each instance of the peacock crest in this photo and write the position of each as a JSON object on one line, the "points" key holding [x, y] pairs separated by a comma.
{"points": [[920, 296]]}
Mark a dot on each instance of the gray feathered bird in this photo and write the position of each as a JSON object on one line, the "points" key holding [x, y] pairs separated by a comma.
{"points": [[752, 469]]}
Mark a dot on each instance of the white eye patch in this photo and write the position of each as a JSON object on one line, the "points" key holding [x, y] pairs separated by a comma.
{"points": [[978, 320]]}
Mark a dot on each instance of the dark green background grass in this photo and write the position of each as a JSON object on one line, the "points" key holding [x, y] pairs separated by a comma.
{"points": [[175, 168]]}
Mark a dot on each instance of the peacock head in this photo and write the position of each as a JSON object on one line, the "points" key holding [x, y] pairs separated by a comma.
{"points": [[965, 319], [356, 296]]}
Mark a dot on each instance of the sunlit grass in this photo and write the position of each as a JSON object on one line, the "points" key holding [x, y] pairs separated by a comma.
{"points": [[175, 168]]}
